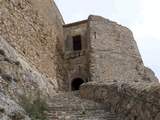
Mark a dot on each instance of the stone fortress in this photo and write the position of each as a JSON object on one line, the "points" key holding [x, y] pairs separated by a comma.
{"points": [[39, 53], [98, 49]]}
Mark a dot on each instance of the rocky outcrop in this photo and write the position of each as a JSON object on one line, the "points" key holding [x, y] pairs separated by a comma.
{"points": [[18, 77], [135, 100], [9, 110]]}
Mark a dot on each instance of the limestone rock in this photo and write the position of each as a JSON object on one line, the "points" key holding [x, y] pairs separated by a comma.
{"points": [[18, 78], [135, 100], [9, 110]]}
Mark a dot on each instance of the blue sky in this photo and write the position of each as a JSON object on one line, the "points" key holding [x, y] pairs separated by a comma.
{"points": [[141, 16]]}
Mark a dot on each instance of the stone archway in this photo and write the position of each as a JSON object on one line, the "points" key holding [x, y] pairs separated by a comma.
{"points": [[75, 84]]}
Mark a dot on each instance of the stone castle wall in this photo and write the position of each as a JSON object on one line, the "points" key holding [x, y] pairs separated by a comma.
{"points": [[34, 29], [34, 60], [76, 62], [109, 52], [113, 52]]}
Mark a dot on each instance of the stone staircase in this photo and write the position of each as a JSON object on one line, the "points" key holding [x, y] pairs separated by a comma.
{"points": [[69, 106]]}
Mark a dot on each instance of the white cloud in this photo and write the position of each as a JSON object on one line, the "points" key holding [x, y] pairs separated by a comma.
{"points": [[151, 19], [147, 34]]}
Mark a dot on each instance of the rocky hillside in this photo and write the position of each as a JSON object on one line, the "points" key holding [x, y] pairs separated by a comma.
{"points": [[9, 110], [19, 80], [32, 68]]}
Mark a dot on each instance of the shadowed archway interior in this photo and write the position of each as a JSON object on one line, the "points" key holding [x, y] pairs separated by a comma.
{"points": [[76, 83]]}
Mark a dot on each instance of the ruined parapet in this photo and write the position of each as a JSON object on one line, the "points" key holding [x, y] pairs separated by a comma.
{"points": [[114, 54], [132, 100]]}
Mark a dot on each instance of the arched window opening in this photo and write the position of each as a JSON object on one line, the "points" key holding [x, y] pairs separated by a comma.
{"points": [[76, 83]]}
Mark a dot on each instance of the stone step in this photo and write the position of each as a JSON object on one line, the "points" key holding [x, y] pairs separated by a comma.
{"points": [[74, 108], [83, 118], [86, 115], [69, 106]]}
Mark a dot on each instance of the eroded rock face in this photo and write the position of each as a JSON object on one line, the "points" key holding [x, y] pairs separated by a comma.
{"points": [[9, 110], [18, 78], [135, 100]]}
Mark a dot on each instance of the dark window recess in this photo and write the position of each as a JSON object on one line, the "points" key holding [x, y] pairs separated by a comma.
{"points": [[76, 83], [77, 45]]}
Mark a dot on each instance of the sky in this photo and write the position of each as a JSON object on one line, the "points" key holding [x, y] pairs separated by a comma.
{"points": [[141, 16]]}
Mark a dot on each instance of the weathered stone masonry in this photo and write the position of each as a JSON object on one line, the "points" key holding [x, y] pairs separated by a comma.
{"points": [[39, 53], [109, 51], [76, 61], [34, 29], [113, 52]]}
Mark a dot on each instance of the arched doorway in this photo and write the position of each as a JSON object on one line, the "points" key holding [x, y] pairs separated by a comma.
{"points": [[76, 83]]}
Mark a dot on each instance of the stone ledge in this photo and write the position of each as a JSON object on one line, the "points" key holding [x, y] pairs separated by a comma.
{"points": [[136, 100]]}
